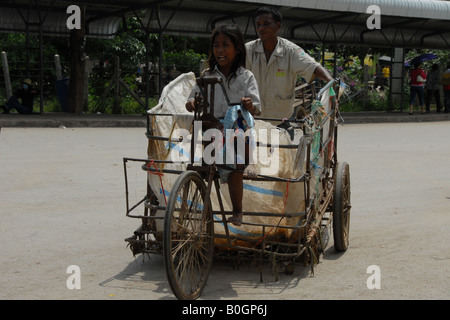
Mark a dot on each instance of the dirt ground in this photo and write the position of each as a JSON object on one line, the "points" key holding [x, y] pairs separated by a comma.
{"points": [[62, 203]]}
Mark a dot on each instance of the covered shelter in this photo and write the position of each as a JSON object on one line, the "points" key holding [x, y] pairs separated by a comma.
{"points": [[402, 23]]}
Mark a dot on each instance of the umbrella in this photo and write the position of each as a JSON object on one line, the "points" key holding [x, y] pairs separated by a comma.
{"points": [[422, 58]]}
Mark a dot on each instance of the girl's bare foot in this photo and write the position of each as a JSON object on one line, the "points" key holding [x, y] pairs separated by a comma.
{"points": [[236, 219], [251, 171]]}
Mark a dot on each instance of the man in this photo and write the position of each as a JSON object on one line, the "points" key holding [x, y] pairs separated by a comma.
{"points": [[276, 62], [27, 94], [446, 83]]}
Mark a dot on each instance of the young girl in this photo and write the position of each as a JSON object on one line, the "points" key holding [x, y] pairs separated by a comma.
{"points": [[227, 57]]}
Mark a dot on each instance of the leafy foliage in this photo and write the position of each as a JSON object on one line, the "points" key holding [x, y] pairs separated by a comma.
{"points": [[180, 54]]}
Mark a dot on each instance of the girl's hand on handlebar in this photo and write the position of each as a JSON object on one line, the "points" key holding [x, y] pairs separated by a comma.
{"points": [[247, 103], [190, 105]]}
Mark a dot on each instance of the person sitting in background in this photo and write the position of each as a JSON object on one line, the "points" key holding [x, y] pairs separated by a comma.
{"points": [[27, 94]]}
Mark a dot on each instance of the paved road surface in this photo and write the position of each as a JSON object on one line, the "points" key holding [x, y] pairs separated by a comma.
{"points": [[62, 204]]}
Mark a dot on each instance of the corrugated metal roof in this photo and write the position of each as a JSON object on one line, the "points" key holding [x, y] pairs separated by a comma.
{"points": [[404, 23], [429, 9], [54, 24]]}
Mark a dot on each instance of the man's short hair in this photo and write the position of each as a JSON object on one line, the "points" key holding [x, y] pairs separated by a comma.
{"points": [[276, 15]]}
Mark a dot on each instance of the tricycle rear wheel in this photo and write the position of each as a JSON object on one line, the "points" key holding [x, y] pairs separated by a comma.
{"points": [[341, 207]]}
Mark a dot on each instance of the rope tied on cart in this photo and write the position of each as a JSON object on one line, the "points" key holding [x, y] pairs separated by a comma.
{"points": [[159, 174], [282, 217]]}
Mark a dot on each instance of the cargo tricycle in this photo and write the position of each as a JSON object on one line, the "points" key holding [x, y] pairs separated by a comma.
{"points": [[299, 192]]}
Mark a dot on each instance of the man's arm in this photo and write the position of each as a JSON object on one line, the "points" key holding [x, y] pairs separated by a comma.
{"points": [[321, 73]]}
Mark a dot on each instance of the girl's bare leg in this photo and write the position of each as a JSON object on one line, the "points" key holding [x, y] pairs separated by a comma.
{"points": [[236, 189]]}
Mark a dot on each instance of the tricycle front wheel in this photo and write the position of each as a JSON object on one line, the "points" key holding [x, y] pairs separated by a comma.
{"points": [[188, 237]]}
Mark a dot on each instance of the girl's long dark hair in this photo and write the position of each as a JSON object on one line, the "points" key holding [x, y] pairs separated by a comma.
{"points": [[236, 36]]}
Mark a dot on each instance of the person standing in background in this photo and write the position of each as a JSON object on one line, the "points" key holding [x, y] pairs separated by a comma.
{"points": [[445, 81], [432, 88], [418, 77]]}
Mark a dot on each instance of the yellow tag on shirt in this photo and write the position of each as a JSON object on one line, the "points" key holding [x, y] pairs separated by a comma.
{"points": [[280, 73]]}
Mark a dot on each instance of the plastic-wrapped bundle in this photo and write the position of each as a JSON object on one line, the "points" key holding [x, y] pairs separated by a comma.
{"points": [[278, 197]]}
